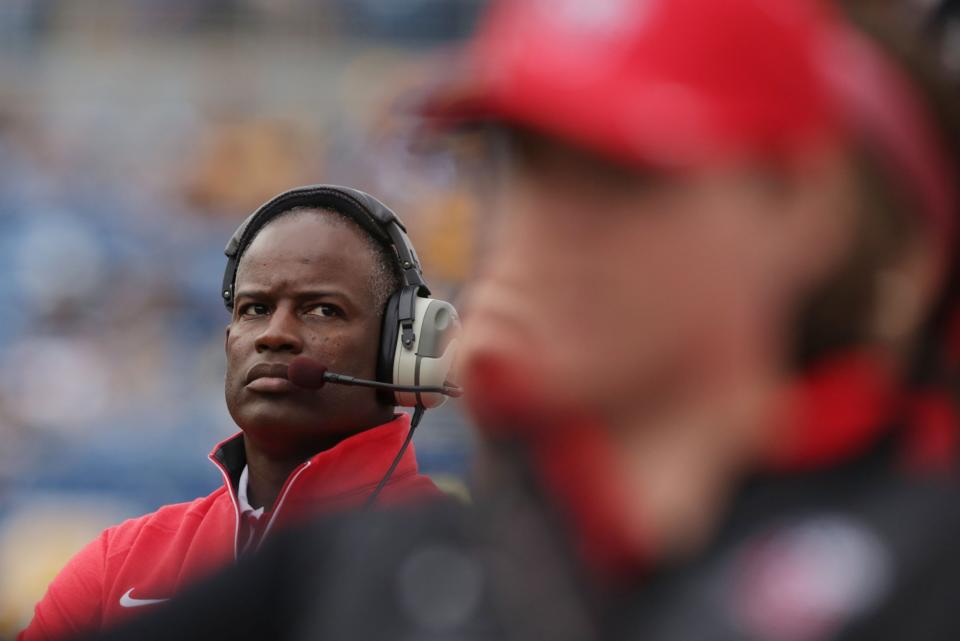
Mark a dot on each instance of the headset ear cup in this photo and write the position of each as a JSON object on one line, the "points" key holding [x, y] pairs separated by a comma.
{"points": [[389, 335]]}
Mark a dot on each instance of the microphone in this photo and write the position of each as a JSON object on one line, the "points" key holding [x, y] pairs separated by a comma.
{"points": [[308, 373]]}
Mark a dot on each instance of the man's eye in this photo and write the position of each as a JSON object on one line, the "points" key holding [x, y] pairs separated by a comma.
{"points": [[254, 309], [325, 309]]}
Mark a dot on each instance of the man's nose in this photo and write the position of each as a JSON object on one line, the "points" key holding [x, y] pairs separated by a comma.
{"points": [[281, 334], [501, 327]]}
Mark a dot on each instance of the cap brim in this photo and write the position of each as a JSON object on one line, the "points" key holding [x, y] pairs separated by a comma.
{"points": [[666, 132]]}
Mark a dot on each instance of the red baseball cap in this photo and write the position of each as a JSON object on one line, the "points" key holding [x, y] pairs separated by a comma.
{"points": [[678, 83], [665, 82]]}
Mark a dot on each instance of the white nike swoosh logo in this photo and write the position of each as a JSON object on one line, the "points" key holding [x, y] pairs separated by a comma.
{"points": [[127, 601]]}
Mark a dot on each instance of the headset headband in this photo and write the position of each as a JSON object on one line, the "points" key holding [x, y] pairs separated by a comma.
{"points": [[372, 215]]}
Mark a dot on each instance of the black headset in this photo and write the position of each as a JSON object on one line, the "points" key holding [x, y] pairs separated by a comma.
{"points": [[418, 338]]}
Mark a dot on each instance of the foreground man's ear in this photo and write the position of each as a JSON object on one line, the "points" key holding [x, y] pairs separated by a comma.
{"points": [[812, 229], [904, 293]]}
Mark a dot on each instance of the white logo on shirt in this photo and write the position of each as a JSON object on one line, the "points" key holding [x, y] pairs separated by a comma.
{"points": [[127, 601], [598, 16]]}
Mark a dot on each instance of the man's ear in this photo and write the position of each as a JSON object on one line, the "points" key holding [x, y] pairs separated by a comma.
{"points": [[906, 290], [226, 336], [818, 216]]}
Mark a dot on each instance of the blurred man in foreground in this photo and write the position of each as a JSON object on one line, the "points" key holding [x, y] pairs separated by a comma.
{"points": [[310, 281], [710, 351]]}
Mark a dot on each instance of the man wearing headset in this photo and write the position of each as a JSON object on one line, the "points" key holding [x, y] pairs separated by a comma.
{"points": [[318, 273], [713, 353]]}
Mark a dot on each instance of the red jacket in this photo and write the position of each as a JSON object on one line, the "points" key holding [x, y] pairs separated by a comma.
{"points": [[147, 559]]}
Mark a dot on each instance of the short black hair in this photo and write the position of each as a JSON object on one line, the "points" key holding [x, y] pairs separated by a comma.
{"points": [[385, 279]]}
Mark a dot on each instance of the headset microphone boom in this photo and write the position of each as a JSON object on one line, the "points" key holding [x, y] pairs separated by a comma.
{"points": [[308, 373]]}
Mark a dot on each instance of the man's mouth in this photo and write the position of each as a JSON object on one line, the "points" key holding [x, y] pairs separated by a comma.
{"points": [[269, 378]]}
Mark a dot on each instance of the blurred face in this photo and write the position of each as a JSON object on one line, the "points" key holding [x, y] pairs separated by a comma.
{"points": [[303, 287], [636, 296]]}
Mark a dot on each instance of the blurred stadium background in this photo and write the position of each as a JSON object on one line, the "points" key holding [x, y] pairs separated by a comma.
{"points": [[134, 136]]}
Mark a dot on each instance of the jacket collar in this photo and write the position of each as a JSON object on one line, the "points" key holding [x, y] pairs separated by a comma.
{"points": [[342, 476]]}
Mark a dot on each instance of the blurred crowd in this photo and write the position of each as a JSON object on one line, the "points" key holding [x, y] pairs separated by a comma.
{"points": [[134, 136]]}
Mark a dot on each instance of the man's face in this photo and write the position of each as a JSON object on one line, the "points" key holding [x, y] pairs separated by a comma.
{"points": [[303, 287], [636, 296]]}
